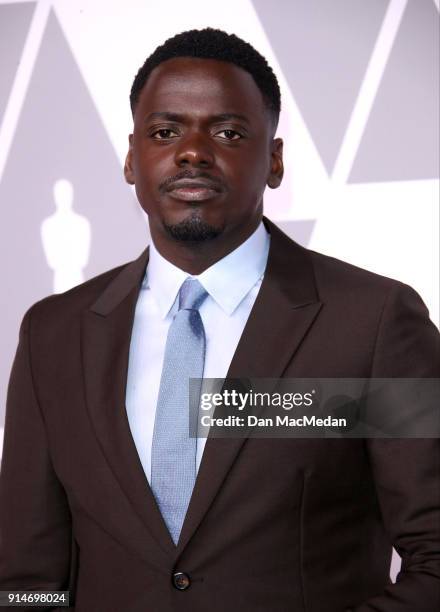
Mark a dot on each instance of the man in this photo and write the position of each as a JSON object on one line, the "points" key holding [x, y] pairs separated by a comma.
{"points": [[103, 492]]}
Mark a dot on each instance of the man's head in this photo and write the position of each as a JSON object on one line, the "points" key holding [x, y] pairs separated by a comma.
{"points": [[217, 45], [205, 107]]}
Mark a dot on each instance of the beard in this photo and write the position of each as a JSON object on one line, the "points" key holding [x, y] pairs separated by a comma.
{"points": [[193, 229]]}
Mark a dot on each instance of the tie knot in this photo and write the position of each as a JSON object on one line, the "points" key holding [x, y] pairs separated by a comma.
{"points": [[191, 295]]}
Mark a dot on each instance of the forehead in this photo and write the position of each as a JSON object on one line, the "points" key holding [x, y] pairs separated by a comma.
{"points": [[201, 84]]}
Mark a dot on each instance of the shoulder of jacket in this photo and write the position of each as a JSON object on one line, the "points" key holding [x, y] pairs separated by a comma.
{"points": [[338, 275], [76, 299]]}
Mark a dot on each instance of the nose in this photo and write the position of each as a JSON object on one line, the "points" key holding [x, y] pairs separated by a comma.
{"points": [[194, 150]]}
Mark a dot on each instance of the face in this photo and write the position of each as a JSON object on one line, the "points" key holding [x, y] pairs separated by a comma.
{"points": [[202, 151]]}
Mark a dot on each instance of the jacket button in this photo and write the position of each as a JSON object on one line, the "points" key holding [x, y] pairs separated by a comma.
{"points": [[181, 581]]}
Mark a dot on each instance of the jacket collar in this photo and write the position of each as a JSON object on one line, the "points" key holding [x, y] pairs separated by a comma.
{"points": [[288, 268]]}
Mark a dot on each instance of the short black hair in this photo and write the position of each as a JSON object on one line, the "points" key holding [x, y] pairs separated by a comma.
{"points": [[211, 43]]}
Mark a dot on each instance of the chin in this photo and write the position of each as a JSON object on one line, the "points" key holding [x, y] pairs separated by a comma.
{"points": [[194, 228]]}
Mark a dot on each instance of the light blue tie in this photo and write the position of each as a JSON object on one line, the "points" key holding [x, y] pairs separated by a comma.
{"points": [[173, 452]]}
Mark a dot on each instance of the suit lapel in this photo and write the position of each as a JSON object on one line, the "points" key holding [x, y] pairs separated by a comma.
{"points": [[106, 334], [286, 307]]}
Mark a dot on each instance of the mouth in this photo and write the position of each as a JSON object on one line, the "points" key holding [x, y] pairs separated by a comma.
{"points": [[193, 190]]}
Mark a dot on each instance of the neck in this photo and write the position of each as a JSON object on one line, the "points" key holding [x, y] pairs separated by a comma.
{"points": [[196, 257]]}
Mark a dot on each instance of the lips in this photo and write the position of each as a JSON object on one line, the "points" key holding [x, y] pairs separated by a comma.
{"points": [[196, 190]]}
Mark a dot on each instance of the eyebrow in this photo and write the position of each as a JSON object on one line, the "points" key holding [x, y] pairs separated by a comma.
{"points": [[178, 118]]}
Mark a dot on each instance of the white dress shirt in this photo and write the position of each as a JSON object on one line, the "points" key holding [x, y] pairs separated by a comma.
{"points": [[232, 284]]}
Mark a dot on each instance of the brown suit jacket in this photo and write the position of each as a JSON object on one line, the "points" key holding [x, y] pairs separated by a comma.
{"points": [[297, 525]]}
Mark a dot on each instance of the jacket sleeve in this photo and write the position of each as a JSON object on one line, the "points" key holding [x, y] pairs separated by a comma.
{"points": [[407, 471], [35, 521]]}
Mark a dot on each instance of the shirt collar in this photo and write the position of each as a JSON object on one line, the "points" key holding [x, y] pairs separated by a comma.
{"points": [[227, 281]]}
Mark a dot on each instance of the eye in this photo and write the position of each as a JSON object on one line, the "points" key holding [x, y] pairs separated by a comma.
{"points": [[163, 134], [229, 135]]}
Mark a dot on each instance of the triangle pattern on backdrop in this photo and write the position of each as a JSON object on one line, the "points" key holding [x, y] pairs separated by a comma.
{"points": [[400, 142], [323, 49], [59, 135], [15, 20]]}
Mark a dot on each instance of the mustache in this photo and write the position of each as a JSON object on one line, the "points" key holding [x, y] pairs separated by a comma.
{"points": [[189, 174]]}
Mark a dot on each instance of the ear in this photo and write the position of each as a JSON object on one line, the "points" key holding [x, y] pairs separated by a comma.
{"points": [[128, 166], [276, 167]]}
